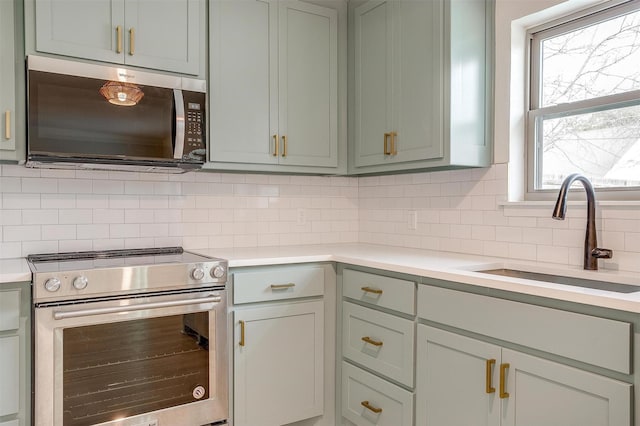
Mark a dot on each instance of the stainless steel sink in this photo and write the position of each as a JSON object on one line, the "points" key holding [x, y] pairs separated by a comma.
{"points": [[559, 279]]}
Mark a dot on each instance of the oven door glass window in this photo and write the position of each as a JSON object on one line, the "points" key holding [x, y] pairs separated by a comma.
{"points": [[117, 370]]}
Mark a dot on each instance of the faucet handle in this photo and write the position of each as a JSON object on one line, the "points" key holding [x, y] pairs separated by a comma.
{"points": [[602, 253]]}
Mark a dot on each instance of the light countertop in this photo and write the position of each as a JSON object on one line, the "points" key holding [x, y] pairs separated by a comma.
{"points": [[424, 263], [449, 267]]}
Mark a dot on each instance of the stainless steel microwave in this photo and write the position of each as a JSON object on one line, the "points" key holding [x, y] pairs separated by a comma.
{"points": [[91, 116]]}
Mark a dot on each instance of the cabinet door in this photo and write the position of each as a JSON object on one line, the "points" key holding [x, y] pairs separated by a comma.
{"points": [[373, 77], [163, 34], [308, 88], [418, 87], [546, 393], [9, 372], [278, 364], [84, 29], [244, 81], [7, 78], [452, 385]]}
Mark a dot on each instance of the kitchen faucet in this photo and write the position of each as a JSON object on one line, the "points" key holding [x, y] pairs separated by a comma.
{"points": [[591, 252]]}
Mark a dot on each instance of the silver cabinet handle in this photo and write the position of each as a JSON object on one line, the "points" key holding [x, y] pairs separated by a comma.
{"points": [[59, 315]]}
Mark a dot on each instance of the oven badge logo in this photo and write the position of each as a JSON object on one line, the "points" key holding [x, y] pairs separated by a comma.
{"points": [[198, 392]]}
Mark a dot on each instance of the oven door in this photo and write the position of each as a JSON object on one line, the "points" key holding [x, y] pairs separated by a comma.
{"points": [[154, 360]]}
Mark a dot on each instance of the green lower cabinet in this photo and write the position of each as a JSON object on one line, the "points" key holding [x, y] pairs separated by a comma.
{"points": [[15, 354], [462, 381]]}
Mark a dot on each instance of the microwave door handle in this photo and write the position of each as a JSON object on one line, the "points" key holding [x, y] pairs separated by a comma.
{"points": [[178, 149], [60, 315]]}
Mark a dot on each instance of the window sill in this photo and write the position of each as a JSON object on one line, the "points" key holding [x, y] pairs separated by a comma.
{"points": [[546, 204]]}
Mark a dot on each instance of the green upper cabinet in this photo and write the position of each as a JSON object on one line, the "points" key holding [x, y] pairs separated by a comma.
{"points": [[157, 34], [7, 81], [274, 76], [421, 84]]}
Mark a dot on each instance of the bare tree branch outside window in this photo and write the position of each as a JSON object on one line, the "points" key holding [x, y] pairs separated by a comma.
{"points": [[603, 143]]}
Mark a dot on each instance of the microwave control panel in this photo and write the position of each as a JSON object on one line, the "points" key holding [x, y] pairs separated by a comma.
{"points": [[194, 138]]}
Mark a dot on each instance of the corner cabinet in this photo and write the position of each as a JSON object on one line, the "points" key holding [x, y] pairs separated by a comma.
{"points": [[15, 354], [274, 76], [7, 82], [422, 84], [158, 34], [283, 353]]}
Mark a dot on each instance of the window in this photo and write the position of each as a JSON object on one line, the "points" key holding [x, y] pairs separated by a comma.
{"points": [[584, 113]]}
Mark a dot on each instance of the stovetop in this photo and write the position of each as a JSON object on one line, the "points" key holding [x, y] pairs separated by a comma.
{"points": [[74, 261], [114, 273]]}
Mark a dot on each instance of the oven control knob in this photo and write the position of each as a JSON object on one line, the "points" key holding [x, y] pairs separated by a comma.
{"points": [[218, 272], [197, 273], [52, 284], [80, 283]]}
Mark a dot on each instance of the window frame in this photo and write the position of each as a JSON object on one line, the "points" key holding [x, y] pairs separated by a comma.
{"points": [[535, 113]]}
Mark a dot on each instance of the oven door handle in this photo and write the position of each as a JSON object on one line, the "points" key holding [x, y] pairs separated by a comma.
{"points": [[60, 315]]}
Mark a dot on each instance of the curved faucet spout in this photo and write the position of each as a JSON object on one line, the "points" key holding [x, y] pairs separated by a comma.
{"points": [[591, 250]]}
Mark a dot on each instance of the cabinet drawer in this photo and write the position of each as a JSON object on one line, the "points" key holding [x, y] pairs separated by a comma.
{"points": [[278, 284], [593, 340], [9, 310], [360, 388], [10, 423], [378, 290], [379, 341]]}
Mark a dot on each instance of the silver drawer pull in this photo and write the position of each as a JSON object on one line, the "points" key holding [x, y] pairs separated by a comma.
{"points": [[370, 407], [282, 286], [370, 341], [371, 290]]}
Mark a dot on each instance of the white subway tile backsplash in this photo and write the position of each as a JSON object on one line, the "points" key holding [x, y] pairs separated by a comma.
{"points": [[108, 216], [20, 201], [154, 230], [75, 245], [11, 184], [117, 230], [75, 186], [631, 241], [458, 211], [523, 251], [138, 187], [58, 232], [57, 201], [138, 216], [108, 187], [92, 201], [483, 232], [10, 217], [124, 202], [92, 232], [34, 247], [553, 254], [39, 217]]}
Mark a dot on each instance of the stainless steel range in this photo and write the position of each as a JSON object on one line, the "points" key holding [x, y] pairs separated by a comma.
{"points": [[130, 338]]}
